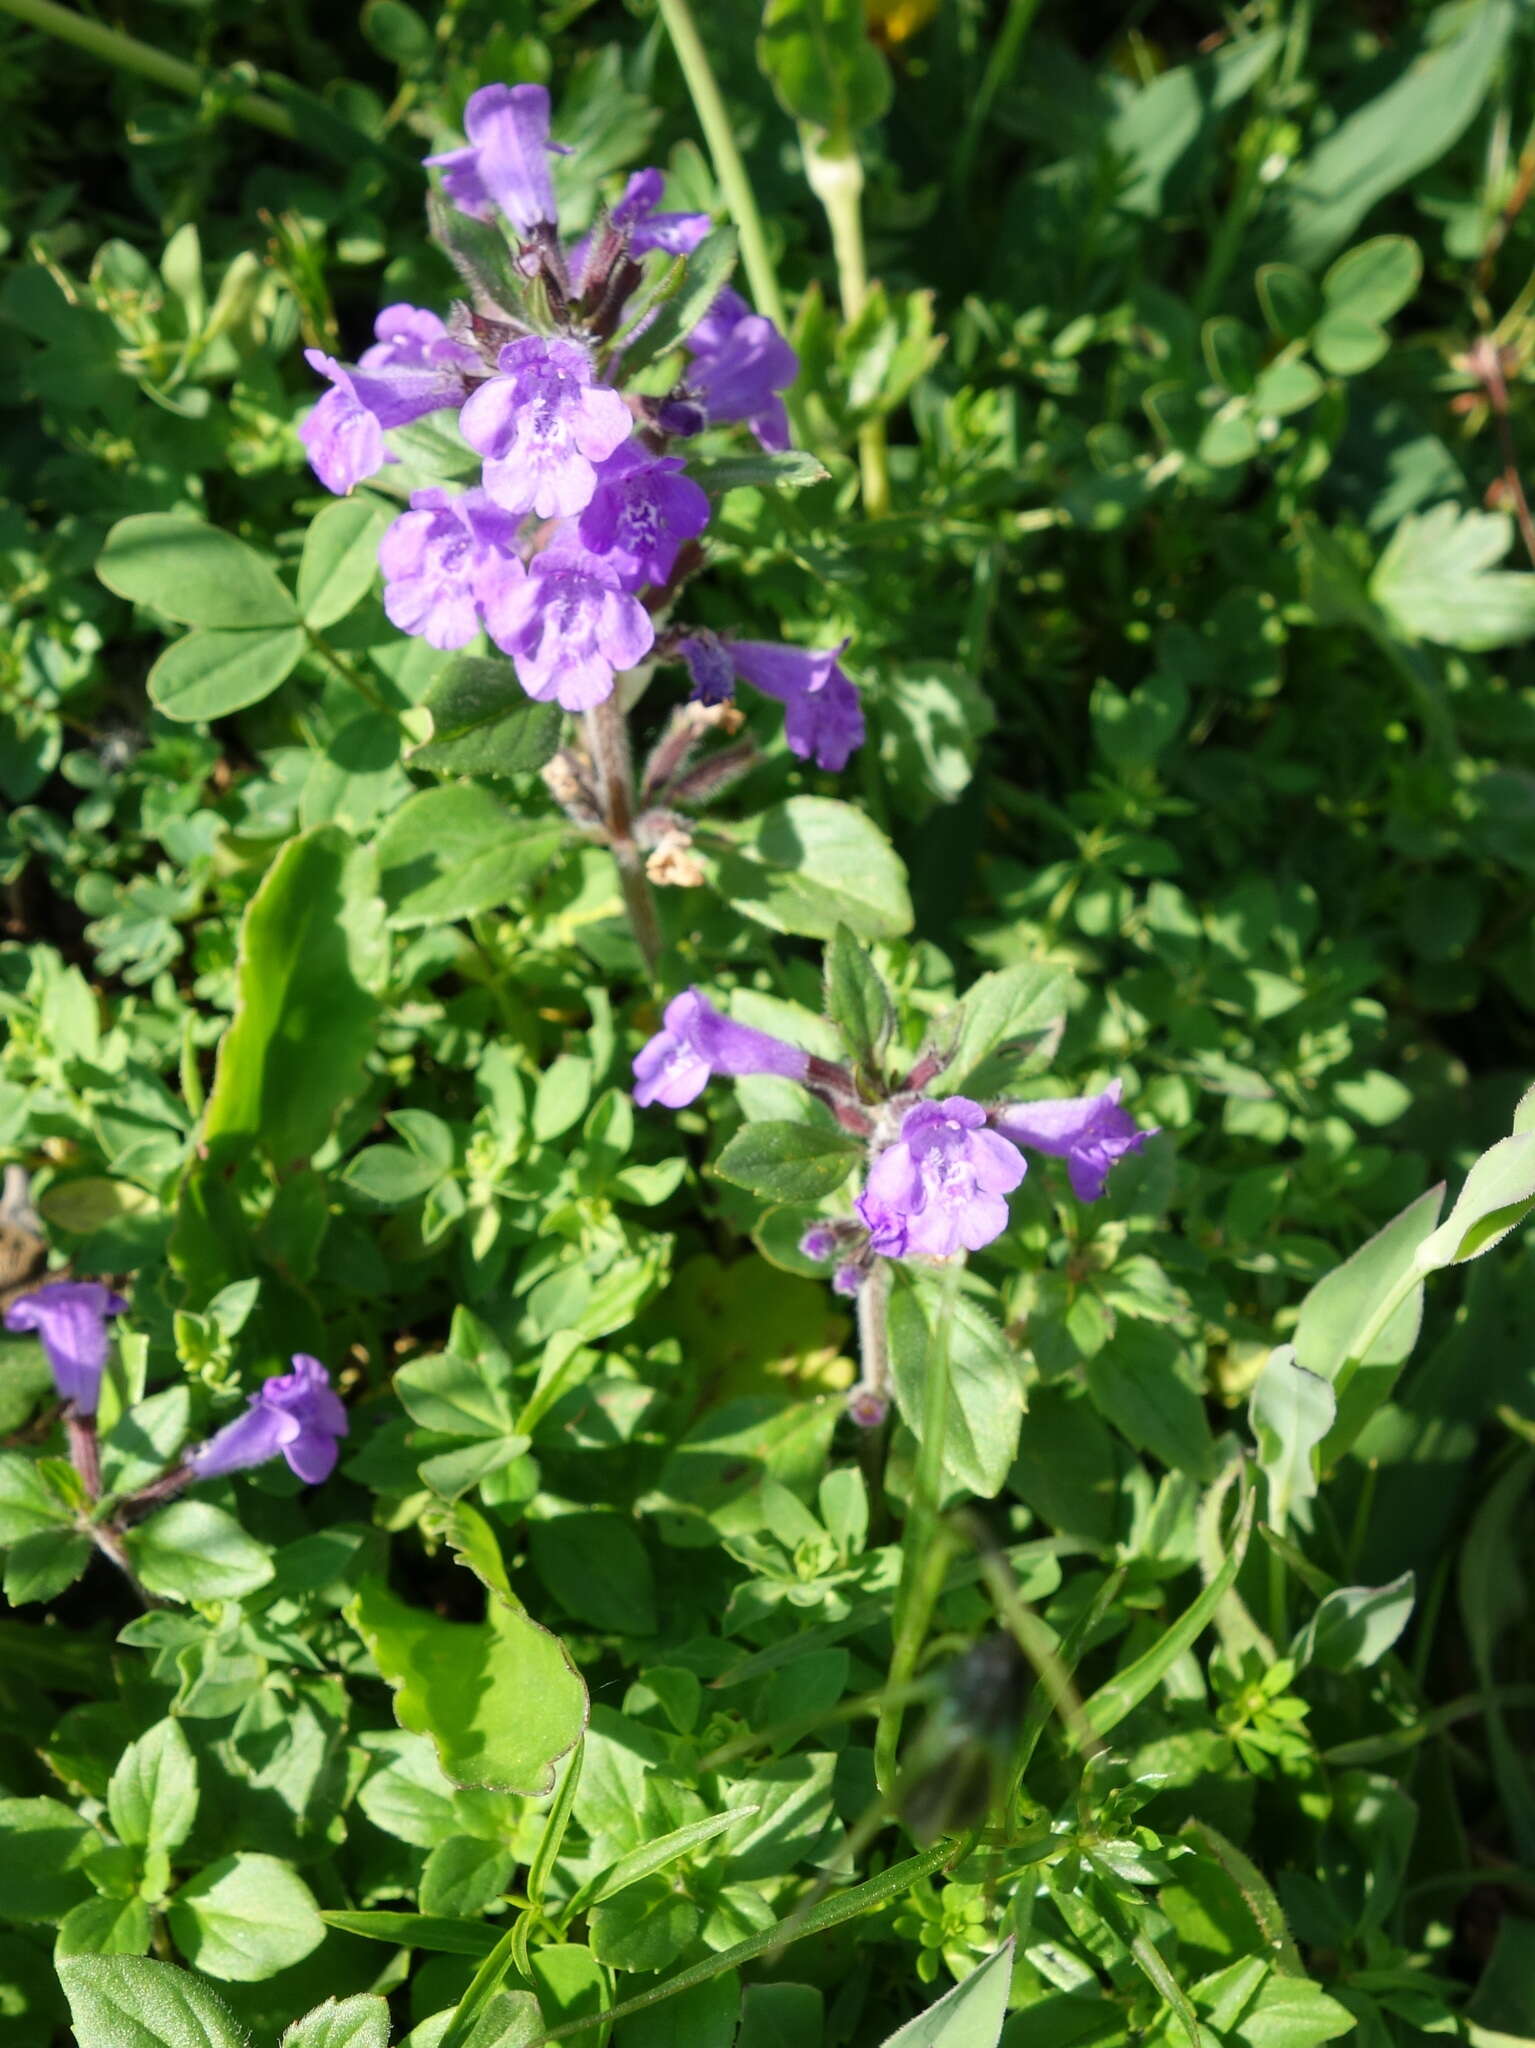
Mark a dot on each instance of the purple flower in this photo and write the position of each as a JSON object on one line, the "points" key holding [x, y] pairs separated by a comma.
{"points": [[296, 1416], [823, 720], [709, 664], [568, 626], [938, 1189], [641, 512], [678, 233], [445, 561], [848, 1279], [818, 1242], [740, 363], [506, 163], [543, 425], [1090, 1132], [674, 1067], [70, 1316], [413, 368]]}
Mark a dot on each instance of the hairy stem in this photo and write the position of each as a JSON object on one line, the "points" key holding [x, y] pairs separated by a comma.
{"points": [[835, 171], [127, 53], [84, 1450], [607, 741], [870, 1399]]}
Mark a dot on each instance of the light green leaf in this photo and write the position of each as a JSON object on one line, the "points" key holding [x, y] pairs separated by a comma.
{"points": [[419, 1930], [1376, 279], [1290, 1411], [28, 1506], [312, 958], [810, 864], [220, 669], [786, 1162], [500, 1699], [464, 1875], [699, 281], [450, 852], [646, 1927], [818, 57], [857, 1000], [360, 2022], [40, 1566], [130, 2002], [792, 470], [985, 1407], [340, 559], [192, 1550], [1438, 580], [456, 1395], [1000, 1017], [1136, 1385], [192, 572], [1498, 1194], [142, 1442], [245, 1918], [969, 2016], [1162, 128], [105, 1927], [152, 1799], [651, 1857], [484, 722], [1355, 1626]]}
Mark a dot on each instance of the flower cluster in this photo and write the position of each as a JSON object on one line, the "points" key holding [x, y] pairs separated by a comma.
{"points": [[582, 526], [940, 1170], [296, 1415]]}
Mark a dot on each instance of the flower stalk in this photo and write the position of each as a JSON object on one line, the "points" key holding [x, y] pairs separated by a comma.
{"points": [[607, 741], [835, 172]]}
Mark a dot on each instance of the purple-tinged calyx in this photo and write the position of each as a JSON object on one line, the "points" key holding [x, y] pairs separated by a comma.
{"points": [[413, 368], [446, 563], [543, 424], [570, 628], [1090, 1132], [698, 1041], [939, 1188], [70, 1317], [505, 163], [641, 512], [296, 1416]]}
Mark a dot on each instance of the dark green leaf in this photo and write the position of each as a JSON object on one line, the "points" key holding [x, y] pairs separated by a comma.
{"points": [[484, 723], [784, 1162]]}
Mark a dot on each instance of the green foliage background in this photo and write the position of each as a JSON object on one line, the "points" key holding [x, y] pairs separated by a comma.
{"points": [[1194, 648]]}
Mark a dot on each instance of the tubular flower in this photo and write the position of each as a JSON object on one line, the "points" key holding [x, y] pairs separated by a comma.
{"points": [[939, 1188], [444, 561], [698, 1041], [569, 627], [413, 368], [543, 424], [823, 718], [677, 233], [641, 512], [70, 1316], [740, 364], [506, 161], [296, 1416], [1090, 1132]]}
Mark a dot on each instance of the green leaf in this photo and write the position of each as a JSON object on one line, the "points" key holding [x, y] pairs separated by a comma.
{"points": [[784, 1162], [1000, 1015], [1291, 302], [968, 2016], [485, 723], [463, 1875], [651, 1857], [792, 470], [219, 669], [810, 864], [455, 1395], [700, 278], [193, 573], [312, 958], [985, 1406], [819, 60], [28, 1506], [142, 1442], [1136, 1386], [500, 1699], [593, 1561], [40, 1566], [152, 1799], [1386, 142], [194, 1551], [340, 560], [1108, 1706], [129, 2002], [245, 1918], [1158, 136], [1376, 279], [105, 1927], [1498, 1194], [857, 1000], [389, 1175], [1290, 1411], [1347, 345], [419, 1930], [1355, 1626], [646, 1927], [448, 853], [360, 2022], [46, 1844]]}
